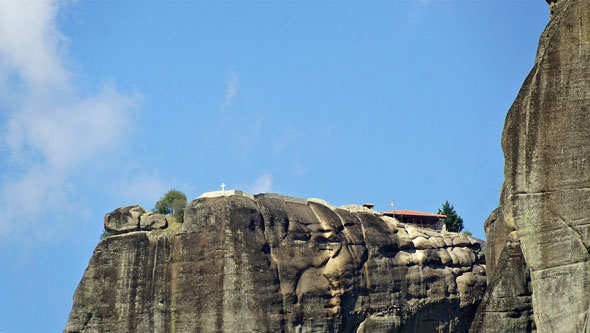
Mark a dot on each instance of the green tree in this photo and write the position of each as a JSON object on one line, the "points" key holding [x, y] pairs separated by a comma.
{"points": [[173, 202], [453, 221]]}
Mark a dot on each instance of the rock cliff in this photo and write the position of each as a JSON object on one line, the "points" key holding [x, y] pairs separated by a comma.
{"points": [[274, 263], [539, 237]]}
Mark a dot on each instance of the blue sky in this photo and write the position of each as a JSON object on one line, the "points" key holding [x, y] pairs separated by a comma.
{"points": [[110, 103]]}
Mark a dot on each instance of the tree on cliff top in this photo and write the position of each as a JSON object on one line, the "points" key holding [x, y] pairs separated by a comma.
{"points": [[453, 221], [173, 202]]}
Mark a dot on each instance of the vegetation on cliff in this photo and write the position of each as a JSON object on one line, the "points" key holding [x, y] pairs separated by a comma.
{"points": [[173, 202], [453, 221]]}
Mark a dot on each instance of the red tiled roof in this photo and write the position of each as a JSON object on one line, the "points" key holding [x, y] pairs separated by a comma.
{"points": [[413, 213]]}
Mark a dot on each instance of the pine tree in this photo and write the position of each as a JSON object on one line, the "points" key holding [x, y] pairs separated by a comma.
{"points": [[453, 221]]}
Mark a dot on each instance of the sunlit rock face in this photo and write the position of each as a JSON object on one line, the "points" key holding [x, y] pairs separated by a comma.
{"points": [[133, 218], [277, 263], [543, 221]]}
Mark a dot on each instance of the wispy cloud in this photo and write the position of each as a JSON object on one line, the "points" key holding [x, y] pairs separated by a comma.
{"points": [[233, 85], [51, 128], [261, 184]]}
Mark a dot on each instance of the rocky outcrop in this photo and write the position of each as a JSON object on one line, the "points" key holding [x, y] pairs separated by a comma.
{"points": [[507, 305], [544, 212], [133, 218], [123, 219], [152, 221], [275, 263]]}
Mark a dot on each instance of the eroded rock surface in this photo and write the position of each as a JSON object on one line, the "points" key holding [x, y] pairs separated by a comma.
{"points": [[133, 218], [545, 202], [124, 219], [275, 264], [507, 305], [152, 221]]}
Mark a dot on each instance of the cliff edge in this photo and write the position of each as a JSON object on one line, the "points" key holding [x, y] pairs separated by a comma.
{"points": [[275, 263], [538, 240]]}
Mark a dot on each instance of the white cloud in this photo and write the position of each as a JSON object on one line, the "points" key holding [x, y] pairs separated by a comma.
{"points": [[33, 193], [51, 127], [231, 91], [69, 132], [30, 43], [261, 184]]}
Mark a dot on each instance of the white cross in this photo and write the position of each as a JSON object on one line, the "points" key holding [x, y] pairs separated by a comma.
{"points": [[223, 186]]}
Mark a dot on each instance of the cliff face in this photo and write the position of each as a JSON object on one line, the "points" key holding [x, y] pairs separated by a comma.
{"points": [[541, 230], [278, 264]]}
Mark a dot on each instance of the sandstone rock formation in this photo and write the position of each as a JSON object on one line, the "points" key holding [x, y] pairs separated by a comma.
{"points": [[276, 263], [133, 218], [541, 229], [152, 221], [123, 219]]}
